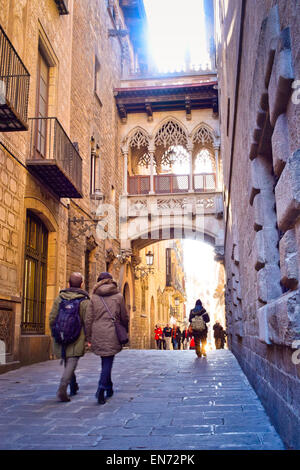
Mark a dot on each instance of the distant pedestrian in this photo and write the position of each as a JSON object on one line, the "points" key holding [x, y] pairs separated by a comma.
{"points": [[106, 307], [219, 335], [167, 333], [158, 337], [175, 335], [198, 319], [185, 338], [67, 320], [179, 339]]}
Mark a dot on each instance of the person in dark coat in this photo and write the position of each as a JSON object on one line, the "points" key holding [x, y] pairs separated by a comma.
{"points": [[75, 350], [219, 335], [167, 333], [100, 329], [200, 336]]}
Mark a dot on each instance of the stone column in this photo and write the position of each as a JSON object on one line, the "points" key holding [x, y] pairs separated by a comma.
{"points": [[125, 184], [190, 147], [217, 148], [151, 152]]}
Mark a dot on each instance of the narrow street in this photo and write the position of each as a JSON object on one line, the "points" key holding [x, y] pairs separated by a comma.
{"points": [[163, 400]]}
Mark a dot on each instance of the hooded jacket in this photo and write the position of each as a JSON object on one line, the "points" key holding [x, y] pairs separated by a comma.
{"points": [[100, 330], [77, 348], [199, 310]]}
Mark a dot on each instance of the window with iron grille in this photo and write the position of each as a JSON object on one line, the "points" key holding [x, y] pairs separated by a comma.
{"points": [[35, 277]]}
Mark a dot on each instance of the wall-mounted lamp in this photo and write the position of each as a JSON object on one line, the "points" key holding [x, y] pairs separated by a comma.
{"points": [[143, 270]]}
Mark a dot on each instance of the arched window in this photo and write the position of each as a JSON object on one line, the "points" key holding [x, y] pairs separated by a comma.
{"points": [[143, 165], [139, 140], [204, 162], [35, 278], [170, 133], [176, 160]]}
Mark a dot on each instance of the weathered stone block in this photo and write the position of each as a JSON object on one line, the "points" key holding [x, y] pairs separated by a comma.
{"points": [[269, 283], [262, 314], [271, 34], [264, 210], [282, 77], [261, 174], [284, 319], [239, 329], [266, 247], [287, 193], [280, 144], [289, 260]]}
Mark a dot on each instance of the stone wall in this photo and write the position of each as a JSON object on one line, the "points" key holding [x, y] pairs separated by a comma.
{"points": [[260, 141]]}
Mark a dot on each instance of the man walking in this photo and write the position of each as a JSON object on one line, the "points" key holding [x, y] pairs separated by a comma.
{"points": [[219, 335], [167, 331], [67, 324]]}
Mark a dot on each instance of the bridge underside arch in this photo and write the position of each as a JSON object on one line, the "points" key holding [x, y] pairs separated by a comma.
{"points": [[170, 233]]}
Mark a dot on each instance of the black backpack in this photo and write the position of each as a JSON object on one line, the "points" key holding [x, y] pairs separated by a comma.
{"points": [[67, 325]]}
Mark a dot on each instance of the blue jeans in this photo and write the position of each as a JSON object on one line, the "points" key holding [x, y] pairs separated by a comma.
{"points": [[175, 343], [105, 382]]}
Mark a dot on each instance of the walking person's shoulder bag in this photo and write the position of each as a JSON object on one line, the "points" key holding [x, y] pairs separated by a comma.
{"points": [[121, 331]]}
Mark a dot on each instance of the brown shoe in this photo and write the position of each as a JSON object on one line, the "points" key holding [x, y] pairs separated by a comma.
{"points": [[62, 394]]}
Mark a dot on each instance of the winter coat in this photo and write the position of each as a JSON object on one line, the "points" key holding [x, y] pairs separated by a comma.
{"points": [[198, 310], [218, 331], [77, 348], [100, 330], [158, 333], [176, 335], [167, 332]]}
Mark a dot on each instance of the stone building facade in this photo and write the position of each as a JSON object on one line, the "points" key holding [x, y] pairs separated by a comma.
{"points": [[57, 167], [159, 292], [258, 67]]}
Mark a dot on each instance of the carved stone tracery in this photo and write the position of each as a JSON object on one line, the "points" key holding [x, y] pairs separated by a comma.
{"points": [[170, 133], [139, 139], [203, 136]]}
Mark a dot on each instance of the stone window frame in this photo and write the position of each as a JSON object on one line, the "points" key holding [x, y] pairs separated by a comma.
{"points": [[48, 53], [40, 258]]}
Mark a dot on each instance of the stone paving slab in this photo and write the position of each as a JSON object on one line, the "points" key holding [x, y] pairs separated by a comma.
{"points": [[168, 400]]}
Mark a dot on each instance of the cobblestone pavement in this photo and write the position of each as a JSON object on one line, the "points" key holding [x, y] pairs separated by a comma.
{"points": [[163, 400]]}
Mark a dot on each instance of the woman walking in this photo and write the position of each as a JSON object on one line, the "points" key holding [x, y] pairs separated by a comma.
{"points": [[158, 337], [106, 304], [198, 319]]}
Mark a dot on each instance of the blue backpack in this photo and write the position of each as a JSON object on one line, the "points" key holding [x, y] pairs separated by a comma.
{"points": [[67, 325]]}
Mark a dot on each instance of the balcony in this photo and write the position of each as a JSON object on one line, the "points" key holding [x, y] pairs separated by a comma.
{"points": [[14, 88], [54, 159], [62, 6], [171, 184]]}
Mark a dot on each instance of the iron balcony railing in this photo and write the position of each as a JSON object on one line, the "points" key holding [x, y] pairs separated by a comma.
{"points": [[49, 143], [14, 87], [171, 184]]}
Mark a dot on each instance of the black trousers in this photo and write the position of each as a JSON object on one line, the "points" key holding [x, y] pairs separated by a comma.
{"points": [[105, 382]]}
